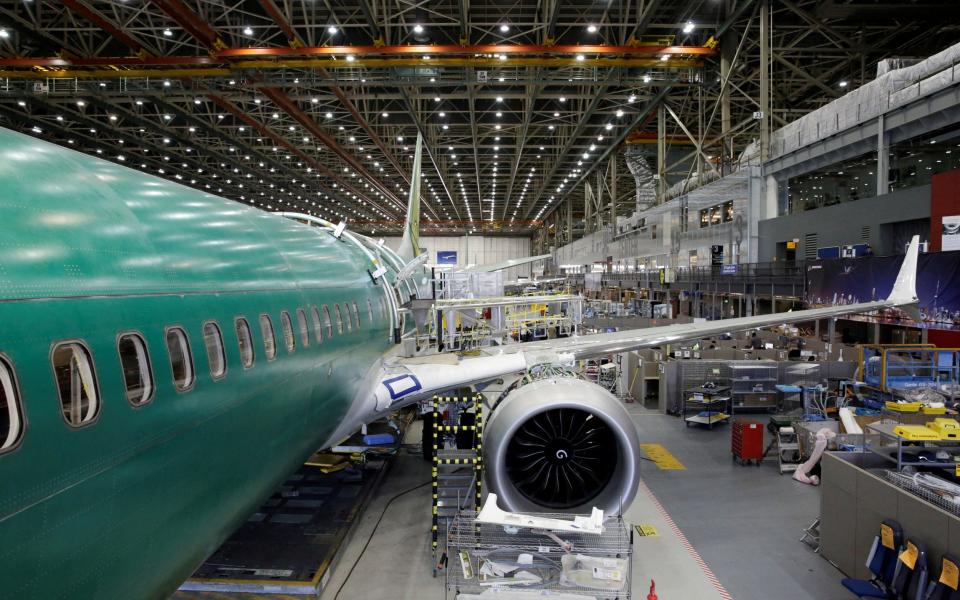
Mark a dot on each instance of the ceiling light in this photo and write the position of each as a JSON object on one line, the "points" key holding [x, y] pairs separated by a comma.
{"points": [[350, 58], [332, 30], [631, 98], [664, 58], [562, 99], [843, 84], [436, 98], [580, 57], [504, 28], [418, 28], [592, 29], [688, 27], [646, 79], [385, 115], [167, 33], [247, 31], [499, 98], [4, 34], [619, 113]]}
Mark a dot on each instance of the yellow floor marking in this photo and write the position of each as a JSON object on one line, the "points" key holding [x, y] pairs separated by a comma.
{"points": [[662, 457], [646, 531]]}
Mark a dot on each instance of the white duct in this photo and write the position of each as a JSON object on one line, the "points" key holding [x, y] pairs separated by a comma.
{"points": [[802, 473], [643, 178]]}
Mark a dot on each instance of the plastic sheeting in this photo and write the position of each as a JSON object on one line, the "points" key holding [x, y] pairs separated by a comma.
{"points": [[890, 90]]}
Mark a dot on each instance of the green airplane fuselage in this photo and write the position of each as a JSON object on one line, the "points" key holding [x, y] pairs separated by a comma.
{"points": [[128, 504]]}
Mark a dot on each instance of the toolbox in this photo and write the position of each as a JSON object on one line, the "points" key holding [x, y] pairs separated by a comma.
{"points": [[746, 441]]}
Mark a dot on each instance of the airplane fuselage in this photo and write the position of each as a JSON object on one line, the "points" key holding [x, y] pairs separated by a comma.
{"points": [[124, 499]]}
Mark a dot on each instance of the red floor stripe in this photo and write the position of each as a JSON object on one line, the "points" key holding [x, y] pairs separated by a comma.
{"points": [[686, 544]]}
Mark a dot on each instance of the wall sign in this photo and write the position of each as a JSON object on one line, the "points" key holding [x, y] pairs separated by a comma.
{"points": [[446, 257], [950, 233]]}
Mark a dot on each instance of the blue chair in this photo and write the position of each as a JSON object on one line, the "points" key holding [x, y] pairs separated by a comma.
{"points": [[882, 562], [910, 580], [946, 587]]}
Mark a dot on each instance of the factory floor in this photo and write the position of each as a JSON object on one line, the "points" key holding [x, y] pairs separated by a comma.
{"points": [[723, 530]]}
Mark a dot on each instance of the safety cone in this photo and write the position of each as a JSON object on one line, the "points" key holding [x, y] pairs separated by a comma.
{"points": [[653, 591]]}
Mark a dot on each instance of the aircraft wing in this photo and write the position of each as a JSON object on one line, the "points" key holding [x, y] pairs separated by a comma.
{"points": [[513, 262], [407, 380]]}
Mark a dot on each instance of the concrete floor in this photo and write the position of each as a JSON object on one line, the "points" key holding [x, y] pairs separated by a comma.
{"points": [[744, 521]]}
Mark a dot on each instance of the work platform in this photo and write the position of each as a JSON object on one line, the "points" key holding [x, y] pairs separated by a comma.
{"points": [[287, 547]]}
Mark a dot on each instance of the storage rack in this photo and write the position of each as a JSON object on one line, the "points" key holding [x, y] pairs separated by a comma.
{"points": [[885, 431], [451, 489], [710, 400], [745, 378], [479, 540]]}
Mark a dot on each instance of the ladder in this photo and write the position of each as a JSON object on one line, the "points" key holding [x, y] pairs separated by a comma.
{"points": [[788, 449], [457, 473]]}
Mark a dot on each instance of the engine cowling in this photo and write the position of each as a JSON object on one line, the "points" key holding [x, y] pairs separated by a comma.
{"points": [[561, 444]]}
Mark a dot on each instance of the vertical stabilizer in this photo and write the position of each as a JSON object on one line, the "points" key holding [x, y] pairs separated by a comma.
{"points": [[410, 245], [905, 287]]}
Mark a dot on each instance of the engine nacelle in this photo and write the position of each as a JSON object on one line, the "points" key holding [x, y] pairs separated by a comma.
{"points": [[561, 445]]}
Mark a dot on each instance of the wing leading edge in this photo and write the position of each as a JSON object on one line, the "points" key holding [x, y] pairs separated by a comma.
{"points": [[513, 262], [424, 378]]}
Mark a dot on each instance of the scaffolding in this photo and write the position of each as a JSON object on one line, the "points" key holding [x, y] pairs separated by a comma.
{"points": [[451, 489]]}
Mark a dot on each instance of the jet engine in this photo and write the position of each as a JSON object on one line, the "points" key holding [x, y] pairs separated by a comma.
{"points": [[564, 445]]}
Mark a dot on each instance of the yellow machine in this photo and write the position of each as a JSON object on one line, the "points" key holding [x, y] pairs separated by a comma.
{"points": [[916, 433], [947, 429]]}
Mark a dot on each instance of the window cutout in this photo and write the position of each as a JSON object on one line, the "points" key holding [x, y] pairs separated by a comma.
{"points": [[11, 415], [213, 340], [135, 363], [76, 383], [181, 362], [356, 314], [304, 331], [336, 309], [245, 343], [369, 310], [327, 322], [317, 324], [269, 339], [287, 326]]}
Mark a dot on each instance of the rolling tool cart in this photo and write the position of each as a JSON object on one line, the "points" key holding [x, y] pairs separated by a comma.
{"points": [[746, 442]]}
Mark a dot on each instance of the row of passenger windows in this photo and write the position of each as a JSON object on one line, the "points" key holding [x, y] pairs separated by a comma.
{"points": [[76, 379]]}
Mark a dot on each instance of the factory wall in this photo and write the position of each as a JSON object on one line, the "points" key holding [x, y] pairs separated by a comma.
{"points": [[477, 250], [882, 222]]}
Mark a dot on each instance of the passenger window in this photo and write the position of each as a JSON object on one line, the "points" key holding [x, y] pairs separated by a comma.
{"points": [[135, 363], [327, 322], [213, 340], [369, 310], [304, 331], [317, 325], [287, 326], [11, 415], [356, 314], [336, 309], [269, 339], [76, 383], [181, 362], [245, 343]]}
